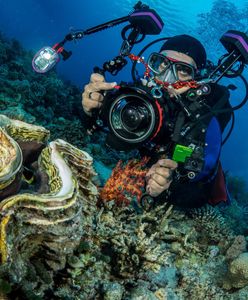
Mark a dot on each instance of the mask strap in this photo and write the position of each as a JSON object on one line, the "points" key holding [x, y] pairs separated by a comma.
{"points": [[176, 85]]}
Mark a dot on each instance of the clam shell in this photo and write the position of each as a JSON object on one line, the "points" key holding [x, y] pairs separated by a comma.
{"points": [[10, 156]]}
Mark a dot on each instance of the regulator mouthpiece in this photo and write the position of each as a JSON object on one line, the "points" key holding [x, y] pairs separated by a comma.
{"points": [[45, 59]]}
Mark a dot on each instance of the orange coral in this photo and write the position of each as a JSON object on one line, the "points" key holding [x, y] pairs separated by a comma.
{"points": [[126, 183]]}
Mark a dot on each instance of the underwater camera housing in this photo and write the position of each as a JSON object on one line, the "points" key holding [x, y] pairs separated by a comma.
{"points": [[132, 115], [136, 116], [136, 119]]}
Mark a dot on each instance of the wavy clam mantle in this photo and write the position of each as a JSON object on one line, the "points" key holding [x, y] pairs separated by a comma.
{"points": [[48, 224], [10, 159], [20, 144]]}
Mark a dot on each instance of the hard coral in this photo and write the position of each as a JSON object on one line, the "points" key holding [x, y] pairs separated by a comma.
{"points": [[211, 225], [237, 276], [126, 182]]}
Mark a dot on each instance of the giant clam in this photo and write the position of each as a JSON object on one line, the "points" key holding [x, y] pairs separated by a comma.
{"points": [[43, 227], [31, 138], [10, 159], [19, 143], [69, 172]]}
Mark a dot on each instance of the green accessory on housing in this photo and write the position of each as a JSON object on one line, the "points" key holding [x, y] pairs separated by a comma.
{"points": [[181, 153]]}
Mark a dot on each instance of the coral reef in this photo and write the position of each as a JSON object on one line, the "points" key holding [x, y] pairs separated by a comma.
{"points": [[154, 255], [212, 225], [58, 241], [110, 251], [37, 98]]}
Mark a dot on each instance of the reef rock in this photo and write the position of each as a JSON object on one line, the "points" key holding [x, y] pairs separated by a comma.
{"points": [[237, 276]]}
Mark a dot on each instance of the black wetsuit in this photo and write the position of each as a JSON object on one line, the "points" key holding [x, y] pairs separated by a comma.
{"points": [[195, 194]]}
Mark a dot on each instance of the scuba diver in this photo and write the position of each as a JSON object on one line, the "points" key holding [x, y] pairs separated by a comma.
{"points": [[179, 62], [175, 113]]}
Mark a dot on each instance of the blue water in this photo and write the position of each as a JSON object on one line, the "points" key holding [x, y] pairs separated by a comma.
{"points": [[40, 23]]}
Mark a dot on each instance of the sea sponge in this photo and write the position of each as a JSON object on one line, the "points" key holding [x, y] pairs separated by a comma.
{"points": [[237, 276]]}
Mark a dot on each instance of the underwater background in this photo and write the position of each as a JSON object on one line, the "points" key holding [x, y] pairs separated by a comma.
{"points": [[72, 247], [40, 23]]}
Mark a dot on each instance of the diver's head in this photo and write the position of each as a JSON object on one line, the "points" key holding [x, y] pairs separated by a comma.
{"points": [[179, 59], [189, 46]]}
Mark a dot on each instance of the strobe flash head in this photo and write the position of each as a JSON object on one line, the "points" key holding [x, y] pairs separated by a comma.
{"points": [[45, 59]]}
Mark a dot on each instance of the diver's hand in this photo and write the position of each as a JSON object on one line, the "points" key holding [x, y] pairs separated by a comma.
{"points": [[91, 97], [159, 177]]}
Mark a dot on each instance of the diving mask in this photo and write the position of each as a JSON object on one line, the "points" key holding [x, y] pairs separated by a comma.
{"points": [[167, 69]]}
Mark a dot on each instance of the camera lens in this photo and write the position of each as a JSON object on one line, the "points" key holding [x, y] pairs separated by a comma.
{"points": [[132, 118], [135, 117]]}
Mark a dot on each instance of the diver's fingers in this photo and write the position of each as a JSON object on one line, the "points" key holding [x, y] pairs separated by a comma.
{"points": [[92, 96], [161, 166], [167, 163], [96, 96], [162, 175], [154, 189], [159, 179], [96, 77], [90, 103], [99, 86], [151, 171]]}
